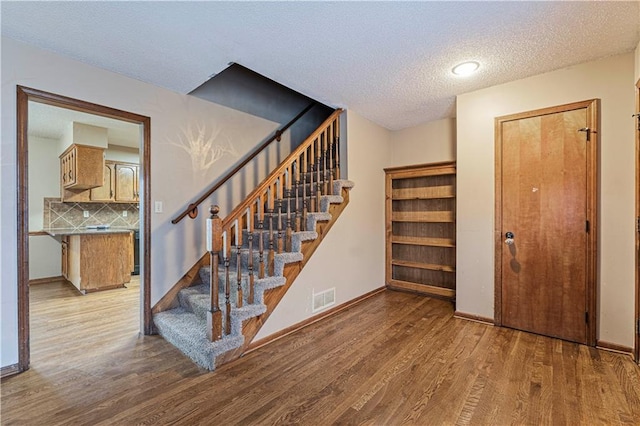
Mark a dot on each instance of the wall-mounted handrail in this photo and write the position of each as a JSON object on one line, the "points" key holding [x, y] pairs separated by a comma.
{"points": [[192, 209]]}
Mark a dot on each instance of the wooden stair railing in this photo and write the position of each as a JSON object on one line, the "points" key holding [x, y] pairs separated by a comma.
{"points": [[314, 164]]}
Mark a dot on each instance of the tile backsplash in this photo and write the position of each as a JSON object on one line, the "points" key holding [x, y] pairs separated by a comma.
{"points": [[71, 215]]}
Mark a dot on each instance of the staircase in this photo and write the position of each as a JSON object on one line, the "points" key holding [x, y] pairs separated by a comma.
{"points": [[255, 253]]}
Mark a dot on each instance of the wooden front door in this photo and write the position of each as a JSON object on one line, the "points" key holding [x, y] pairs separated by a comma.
{"points": [[545, 221]]}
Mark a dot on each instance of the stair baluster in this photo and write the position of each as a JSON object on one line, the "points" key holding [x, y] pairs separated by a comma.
{"points": [[296, 185], [260, 226], [250, 213], [325, 168], [337, 148], [238, 241], [318, 165], [214, 316], [226, 254], [330, 157], [312, 187], [279, 204], [305, 206], [288, 197], [270, 210]]}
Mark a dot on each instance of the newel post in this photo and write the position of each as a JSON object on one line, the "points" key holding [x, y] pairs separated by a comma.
{"points": [[214, 245]]}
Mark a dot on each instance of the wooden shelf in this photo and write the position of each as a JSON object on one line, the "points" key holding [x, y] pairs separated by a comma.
{"points": [[423, 217], [426, 193], [422, 288], [419, 265], [424, 241], [420, 216]]}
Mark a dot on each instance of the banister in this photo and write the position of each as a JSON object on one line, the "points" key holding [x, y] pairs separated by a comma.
{"points": [[192, 209], [278, 170]]}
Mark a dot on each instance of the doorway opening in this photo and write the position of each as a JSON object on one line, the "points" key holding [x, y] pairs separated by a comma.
{"points": [[546, 221], [37, 101]]}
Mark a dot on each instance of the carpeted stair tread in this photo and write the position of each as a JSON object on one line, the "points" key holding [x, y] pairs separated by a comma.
{"points": [[238, 315], [281, 259], [338, 185], [327, 200], [195, 299], [188, 333], [314, 218], [297, 238]]}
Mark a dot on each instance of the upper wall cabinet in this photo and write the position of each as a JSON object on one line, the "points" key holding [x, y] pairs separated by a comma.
{"points": [[82, 167], [106, 192], [127, 182], [119, 185]]}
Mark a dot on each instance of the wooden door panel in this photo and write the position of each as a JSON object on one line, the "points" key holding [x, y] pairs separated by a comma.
{"points": [[544, 201], [125, 183], [105, 192]]}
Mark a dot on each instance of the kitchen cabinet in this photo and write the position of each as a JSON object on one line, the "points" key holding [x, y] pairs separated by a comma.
{"points": [[106, 192], [421, 229], [99, 261], [81, 167], [127, 182], [120, 183], [75, 196]]}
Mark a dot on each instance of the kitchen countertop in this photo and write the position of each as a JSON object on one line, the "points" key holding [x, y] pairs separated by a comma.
{"points": [[83, 231]]}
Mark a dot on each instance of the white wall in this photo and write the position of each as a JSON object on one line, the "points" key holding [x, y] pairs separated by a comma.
{"points": [[45, 257], [351, 256], [427, 143], [44, 172], [611, 80], [86, 134], [174, 117], [44, 169]]}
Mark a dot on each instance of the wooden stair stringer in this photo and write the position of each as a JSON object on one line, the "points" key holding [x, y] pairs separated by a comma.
{"points": [[272, 297]]}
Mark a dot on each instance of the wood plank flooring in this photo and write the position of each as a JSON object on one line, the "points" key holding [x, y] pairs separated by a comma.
{"points": [[396, 358]]}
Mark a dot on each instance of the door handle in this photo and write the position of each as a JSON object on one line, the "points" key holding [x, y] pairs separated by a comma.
{"points": [[509, 238]]}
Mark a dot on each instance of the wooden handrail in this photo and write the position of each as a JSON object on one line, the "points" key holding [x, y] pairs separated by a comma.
{"points": [[192, 209]]}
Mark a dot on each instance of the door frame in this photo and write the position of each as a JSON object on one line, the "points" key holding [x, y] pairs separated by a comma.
{"points": [[24, 95], [593, 123], [636, 322]]}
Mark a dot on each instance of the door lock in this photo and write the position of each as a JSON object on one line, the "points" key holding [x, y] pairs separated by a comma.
{"points": [[509, 238]]}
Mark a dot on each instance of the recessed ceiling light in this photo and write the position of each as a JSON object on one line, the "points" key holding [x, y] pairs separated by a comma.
{"points": [[466, 68]]}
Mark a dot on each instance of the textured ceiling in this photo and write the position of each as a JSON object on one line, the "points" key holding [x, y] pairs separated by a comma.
{"points": [[389, 61]]}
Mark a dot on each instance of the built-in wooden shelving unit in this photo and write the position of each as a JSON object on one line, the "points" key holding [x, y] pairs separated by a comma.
{"points": [[420, 228]]}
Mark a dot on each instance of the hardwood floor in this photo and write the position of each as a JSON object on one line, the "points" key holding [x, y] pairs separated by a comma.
{"points": [[396, 358]]}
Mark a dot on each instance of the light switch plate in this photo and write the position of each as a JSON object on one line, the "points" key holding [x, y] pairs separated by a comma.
{"points": [[85, 213], [158, 207], [124, 213]]}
